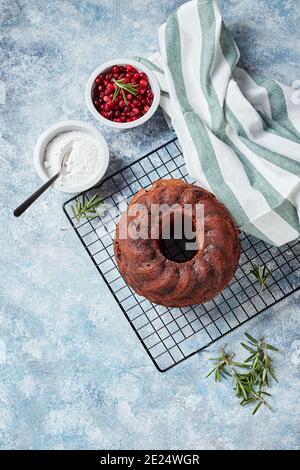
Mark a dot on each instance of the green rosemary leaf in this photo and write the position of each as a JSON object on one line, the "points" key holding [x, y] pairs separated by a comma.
{"points": [[251, 339], [124, 97], [211, 372], [74, 211], [249, 359], [272, 348], [116, 92], [272, 374], [265, 393], [264, 377], [93, 199], [244, 393], [238, 390], [224, 374], [248, 348], [240, 364], [248, 401], [257, 407]]}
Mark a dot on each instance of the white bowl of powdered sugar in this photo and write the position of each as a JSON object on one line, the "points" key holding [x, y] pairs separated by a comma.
{"points": [[87, 162]]}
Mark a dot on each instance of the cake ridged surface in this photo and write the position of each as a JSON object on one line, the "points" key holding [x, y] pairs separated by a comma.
{"points": [[178, 284]]}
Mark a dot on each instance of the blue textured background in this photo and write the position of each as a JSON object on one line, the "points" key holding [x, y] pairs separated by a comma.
{"points": [[72, 372]]}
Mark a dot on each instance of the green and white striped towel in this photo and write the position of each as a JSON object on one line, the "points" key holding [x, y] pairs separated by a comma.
{"points": [[240, 134]]}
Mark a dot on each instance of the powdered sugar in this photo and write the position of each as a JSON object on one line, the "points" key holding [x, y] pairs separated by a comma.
{"points": [[84, 162]]}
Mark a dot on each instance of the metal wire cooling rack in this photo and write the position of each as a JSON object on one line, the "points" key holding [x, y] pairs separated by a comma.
{"points": [[170, 335]]}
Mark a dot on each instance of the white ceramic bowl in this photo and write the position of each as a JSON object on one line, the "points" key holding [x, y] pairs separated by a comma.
{"points": [[67, 126], [103, 68]]}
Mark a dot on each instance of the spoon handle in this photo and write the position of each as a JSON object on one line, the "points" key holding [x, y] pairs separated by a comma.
{"points": [[22, 207]]}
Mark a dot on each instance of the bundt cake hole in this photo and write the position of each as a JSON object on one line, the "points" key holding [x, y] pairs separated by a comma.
{"points": [[175, 242]]}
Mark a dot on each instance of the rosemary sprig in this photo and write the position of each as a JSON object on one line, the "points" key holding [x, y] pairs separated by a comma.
{"points": [[87, 209], [128, 87], [262, 273], [223, 365], [261, 363], [250, 384]]}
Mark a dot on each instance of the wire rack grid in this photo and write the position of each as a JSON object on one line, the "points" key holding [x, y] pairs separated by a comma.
{"points": [[171, 335]]}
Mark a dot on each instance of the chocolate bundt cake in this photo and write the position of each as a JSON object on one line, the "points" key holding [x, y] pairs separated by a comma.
{"points": [[144, 265]]}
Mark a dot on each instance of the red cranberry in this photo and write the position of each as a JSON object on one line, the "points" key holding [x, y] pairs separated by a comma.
{"points": [[99, 80], [108, 106], [110, 87], [143, 83]]}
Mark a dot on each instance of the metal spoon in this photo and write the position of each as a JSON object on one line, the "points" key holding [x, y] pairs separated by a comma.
{"points": [[22, 207]]}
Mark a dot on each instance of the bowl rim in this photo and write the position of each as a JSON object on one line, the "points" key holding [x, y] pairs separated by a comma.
{"points": [[139, 66], [59, 128]]}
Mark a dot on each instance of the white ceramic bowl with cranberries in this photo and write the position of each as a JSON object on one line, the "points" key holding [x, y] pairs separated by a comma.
{"points": [[122, 93]]}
